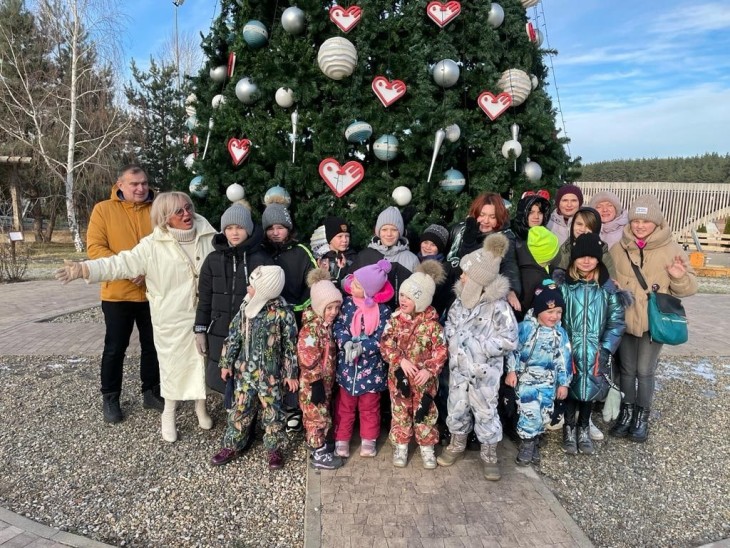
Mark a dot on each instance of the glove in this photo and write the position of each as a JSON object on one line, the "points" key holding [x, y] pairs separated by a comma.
{"points": [[347, 347], [603, 358], [401, 383], [69, 271], [471, 233], [201, 343], [612, 405], [423, 408], [318, 395]]}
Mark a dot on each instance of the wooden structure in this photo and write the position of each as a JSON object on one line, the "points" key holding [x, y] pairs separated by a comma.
{"points": [[10, 165]]}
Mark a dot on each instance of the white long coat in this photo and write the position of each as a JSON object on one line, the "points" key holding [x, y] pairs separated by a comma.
{"points": [[172, 287]]}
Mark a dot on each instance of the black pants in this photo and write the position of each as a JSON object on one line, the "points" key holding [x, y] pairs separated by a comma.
{"points": [[120, 318], [584, 409]]}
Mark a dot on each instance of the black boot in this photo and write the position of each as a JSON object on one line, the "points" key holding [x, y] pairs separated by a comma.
{"points": [[112, 410], [570, 441], [639, 429], [623, 422], [151, 399], [527, 450], [585, 443]]}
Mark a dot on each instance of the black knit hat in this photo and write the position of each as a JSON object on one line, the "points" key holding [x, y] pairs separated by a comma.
{"points": [[546, 297], [436, 234], [334, 226], [587, 245]]}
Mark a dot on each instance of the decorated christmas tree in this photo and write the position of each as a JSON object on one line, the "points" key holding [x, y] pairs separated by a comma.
{"points": [[342, 105]]}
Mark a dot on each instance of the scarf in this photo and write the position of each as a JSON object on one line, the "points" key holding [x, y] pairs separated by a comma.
{"points": [[365, 316]]}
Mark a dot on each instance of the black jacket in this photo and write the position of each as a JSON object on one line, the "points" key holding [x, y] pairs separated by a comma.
{"points": [[221, 289], [532, 275], [296, 260]]}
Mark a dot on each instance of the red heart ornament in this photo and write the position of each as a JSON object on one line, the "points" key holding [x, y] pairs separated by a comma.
{"points": [[341, 179], [388, 91], [494, 106], [238, 149], [531, 32], [345, 18], [443, 13]]}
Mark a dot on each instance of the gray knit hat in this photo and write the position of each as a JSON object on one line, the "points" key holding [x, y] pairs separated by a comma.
{"points": [[647, 207], [276, 214], [607, 196], [482, 267], [390, 216], [237, 215], [268, 281]]}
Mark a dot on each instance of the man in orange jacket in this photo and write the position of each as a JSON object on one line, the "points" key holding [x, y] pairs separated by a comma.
{"points": [[116, 225]]}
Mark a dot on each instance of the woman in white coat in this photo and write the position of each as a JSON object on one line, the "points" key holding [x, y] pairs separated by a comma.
{"points": [[170, 259]]}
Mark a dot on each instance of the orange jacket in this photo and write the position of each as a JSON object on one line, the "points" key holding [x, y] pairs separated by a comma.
{"points": [[117, 225]]}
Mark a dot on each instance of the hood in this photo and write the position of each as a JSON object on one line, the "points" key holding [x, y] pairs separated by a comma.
{"points": [[496, 290], [400, 245], [519, 223]]}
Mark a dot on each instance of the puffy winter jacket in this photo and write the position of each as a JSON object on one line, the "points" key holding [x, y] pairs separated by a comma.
{"points": [[296, 260], [402, 261], [559, 226]]}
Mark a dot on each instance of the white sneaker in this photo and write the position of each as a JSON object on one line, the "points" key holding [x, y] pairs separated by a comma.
{"points": [[596, 434], [342, 448], [428, 457], [400, 455]]}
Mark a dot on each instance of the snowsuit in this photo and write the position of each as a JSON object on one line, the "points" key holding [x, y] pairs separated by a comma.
{"points": [[479, 339], [317, 354], [262, 352], [418, 338], [542, 363]]}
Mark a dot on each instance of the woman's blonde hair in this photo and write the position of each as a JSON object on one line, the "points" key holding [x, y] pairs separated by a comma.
{"points": [[165, 205]]}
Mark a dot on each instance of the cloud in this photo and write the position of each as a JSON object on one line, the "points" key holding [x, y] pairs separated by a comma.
{"points": [[688, 18]]}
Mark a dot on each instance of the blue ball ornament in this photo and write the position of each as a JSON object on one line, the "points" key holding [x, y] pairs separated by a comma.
{"points": [[358, 132], [197, 188], [255, 34], [452, 181], [386, 147]]}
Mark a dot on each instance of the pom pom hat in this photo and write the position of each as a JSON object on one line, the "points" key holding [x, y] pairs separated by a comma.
{"points": [[276, 214], [482, 267], [374, 280], [322, 291], [421, 285], [237, 215]]}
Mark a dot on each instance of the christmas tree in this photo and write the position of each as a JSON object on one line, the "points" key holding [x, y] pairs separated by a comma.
{"points": [[448, 66]]}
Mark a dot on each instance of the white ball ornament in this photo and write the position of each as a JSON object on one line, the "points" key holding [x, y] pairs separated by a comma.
{"points": [[246, 91], [292, 20], [446, 73], [517, 83], [337, 58], [284, 97], [534, 81], [219, 74], [496, 16], [402, 195], [453, 132], [385, 148], [217, 100], [512, 146], [235, 192], [358, 132], [197, 188], [189, 161], [533, 171], [453, 180], [255, 34]]}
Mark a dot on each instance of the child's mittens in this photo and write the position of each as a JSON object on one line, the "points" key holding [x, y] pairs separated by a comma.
{"points": [[318, 394], [604, 357], [612, 405], [347, 347], [423, 408], [401, 383]]}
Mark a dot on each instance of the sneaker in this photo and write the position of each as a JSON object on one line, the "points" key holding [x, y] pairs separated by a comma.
{"points": [[276, 461], [325, 460], [368, 449], [596, 434], [585, 444], [151, 399], [400, 455], [428, 457], [570, 443], [526, 452], [224, 456], [294, 421], [342, 449]]}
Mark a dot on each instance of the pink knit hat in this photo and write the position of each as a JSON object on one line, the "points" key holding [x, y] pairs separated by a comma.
{"points": [[374, 280]]}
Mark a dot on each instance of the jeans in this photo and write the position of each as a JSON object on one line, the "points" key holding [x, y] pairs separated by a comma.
{"points": [[120, 318], [639, 357]]}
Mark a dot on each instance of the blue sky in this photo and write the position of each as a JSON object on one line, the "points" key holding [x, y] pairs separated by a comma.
{"points": [[639, 79]]}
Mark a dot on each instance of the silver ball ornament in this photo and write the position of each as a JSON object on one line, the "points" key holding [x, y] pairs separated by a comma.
{"points": [[284, 97], [292, 20], [446, 73], [246, 91], [217, 100], [496, 15], [235, 192], [533, 171], [219, 74], [512, 146], [453, 132], [402, 195]]}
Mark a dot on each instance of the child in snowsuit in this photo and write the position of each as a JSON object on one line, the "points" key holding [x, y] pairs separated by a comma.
{"points": [[594, 320], [481, 330], [260, 353], [361, 372], [317, 355], [537, 367], [413, 345]]}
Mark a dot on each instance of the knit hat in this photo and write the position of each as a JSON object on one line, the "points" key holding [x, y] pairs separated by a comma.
{"points": [[438, 235], [373, 278], [276, 214], [482, 267], [568, 189], [587, 245], [607, 196], [421, 285], [647, 207], [390, 216], [321, 290], [334, 226], [237, 215], [543, 244], [268, 281], [318, 243], [546, 297]]}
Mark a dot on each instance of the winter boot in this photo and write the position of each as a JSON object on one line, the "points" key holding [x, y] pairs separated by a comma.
{"points": [[428, 457], [639, 429], [151, 399], [342, 448], [368, 448], [400, 455], [488, 454], [596, 434], [204, 420], [454, 451], [570, 443], [585, 443], [536, 451], [276, 460], [623, 422], [169, 430], [526, 452], [111, 408], [325, 460]]}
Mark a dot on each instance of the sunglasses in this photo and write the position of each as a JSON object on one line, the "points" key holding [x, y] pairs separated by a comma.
{"points": [[187, 208]]}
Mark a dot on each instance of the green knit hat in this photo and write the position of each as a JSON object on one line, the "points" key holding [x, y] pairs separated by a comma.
{"points": [[543, 244]]}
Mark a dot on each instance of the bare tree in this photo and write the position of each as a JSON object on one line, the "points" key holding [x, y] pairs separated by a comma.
{"points": [[186, 48]]}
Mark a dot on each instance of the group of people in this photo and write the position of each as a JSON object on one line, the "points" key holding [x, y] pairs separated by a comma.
{"points": [[542, 303]]}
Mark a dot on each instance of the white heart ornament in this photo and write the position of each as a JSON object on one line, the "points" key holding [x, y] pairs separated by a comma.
{"points": [[388, 91], [238, 149], [443, 13], [345, 18], [493, 106], [341, 179]]}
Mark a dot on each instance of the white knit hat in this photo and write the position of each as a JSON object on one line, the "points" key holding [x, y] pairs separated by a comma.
{"points": [[421, 285], [321, 290], [482, 267], [268, 281]]}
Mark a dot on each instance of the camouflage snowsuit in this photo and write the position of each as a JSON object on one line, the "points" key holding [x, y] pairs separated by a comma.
{"points": [[317, 355], [262, 353], [542, 364], [419, 339], [479, 339]]}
